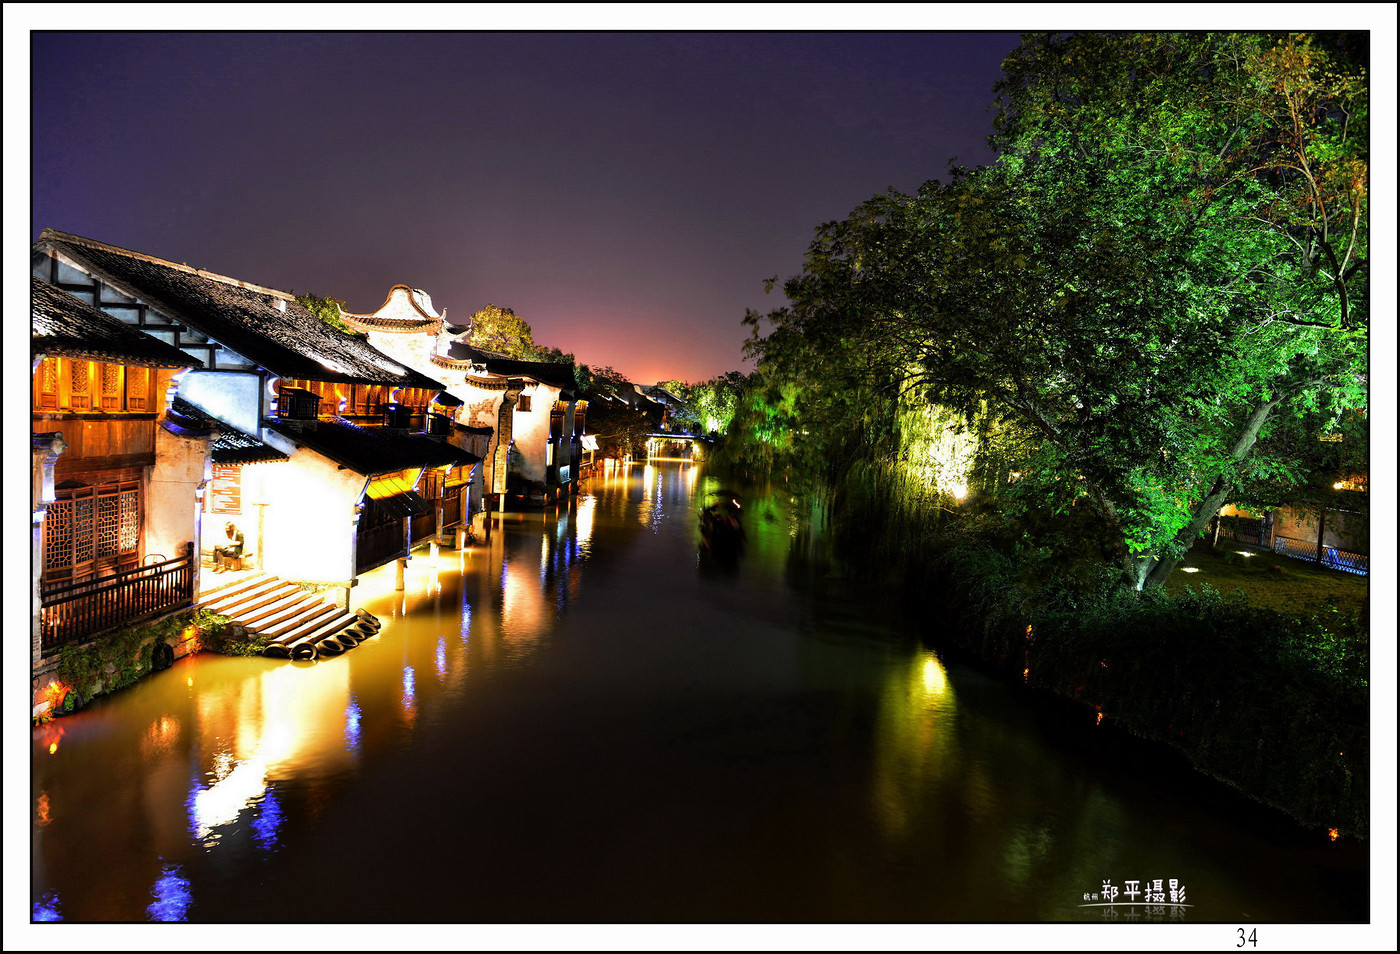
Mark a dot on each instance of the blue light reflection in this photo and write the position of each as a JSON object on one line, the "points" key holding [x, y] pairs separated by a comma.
{"points": [[46, 908], [172, 895], [352, 726], [268, 822]]}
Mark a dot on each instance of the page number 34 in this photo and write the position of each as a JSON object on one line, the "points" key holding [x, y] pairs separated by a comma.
{"points": [[1253, 937]]}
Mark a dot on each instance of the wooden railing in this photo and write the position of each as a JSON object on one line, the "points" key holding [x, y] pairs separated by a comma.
{"points": [[452, 506], [424, 525], [71, 611], [375, 545]]}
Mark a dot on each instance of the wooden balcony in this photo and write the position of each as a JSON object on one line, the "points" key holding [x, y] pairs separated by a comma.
{"points": [[70, 612]]}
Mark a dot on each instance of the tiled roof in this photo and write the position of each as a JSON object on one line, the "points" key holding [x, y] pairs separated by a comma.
{"points": [[265, 325], [546, 372], [69, 327], [232, 446], [371, 450], [657, 393]]}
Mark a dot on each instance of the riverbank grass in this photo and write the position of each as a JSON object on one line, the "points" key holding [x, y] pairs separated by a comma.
{"points": [[1270, 580]]}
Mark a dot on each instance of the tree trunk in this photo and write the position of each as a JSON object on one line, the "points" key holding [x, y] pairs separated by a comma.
{"points": [[1162, 567]]}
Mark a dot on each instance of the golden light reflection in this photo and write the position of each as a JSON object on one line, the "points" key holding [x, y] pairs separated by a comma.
{"points": [[160, 737], [587, 506], [257, 730], [53, 747], [935, 680], [914, 743], [42, 816], [524, 612]]}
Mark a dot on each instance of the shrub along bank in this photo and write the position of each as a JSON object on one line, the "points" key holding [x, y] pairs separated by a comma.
{"points": [[1272, 703], [115, 660]]}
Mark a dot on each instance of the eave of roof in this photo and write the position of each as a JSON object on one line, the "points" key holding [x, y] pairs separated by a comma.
{"points": [[68, 327], [544, 372], [232, 446], [371, 450]]}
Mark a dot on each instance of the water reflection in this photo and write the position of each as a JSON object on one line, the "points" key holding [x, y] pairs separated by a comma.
{"points": [[46, 908], [268, 822], [409, 702], [172, 895], [915, 746], [352, 725], [617, 736]]}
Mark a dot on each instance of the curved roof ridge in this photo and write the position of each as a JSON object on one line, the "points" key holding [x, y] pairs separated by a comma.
{"points": [[428, 323]]}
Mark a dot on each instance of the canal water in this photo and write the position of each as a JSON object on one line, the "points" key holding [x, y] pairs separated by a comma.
{"points": [[589, 720]]}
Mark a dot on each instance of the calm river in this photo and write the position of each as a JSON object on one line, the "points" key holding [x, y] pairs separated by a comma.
{"points": [[585, 722]]}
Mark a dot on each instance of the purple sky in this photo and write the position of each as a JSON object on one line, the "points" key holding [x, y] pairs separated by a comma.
{"points": [[625, 193]]}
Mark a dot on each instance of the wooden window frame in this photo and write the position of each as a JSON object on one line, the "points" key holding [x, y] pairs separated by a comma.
{"points": [[108, 538]]}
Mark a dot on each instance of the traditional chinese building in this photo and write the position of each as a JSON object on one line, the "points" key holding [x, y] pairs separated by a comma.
{"points": [[334, 460], [522, 417], [116, 476]]}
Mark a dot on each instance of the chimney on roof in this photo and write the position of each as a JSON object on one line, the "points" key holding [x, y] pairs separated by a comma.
{"points": [[281, 304]]}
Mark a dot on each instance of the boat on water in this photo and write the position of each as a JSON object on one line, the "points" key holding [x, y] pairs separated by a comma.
{"points": [[721, 530]]}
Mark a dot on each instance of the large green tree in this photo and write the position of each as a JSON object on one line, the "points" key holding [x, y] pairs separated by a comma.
{"points": [[504, 332], [1166, 263]]}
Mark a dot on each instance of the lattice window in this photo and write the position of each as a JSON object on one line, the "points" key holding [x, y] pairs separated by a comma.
{"points": [[108, 513], [82, 530], [138, 385], [523, 403], [58, 535], [92, 528], [129, 523], [111, 386], [78, 384], [48, 383]]}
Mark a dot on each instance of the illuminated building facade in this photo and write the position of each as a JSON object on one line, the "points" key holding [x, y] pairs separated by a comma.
{"points": [[116, 476], [522, 417], [330, 462]]}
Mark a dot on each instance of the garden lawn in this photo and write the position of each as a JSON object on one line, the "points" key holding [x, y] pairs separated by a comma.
{"points": [[1270, 579]]}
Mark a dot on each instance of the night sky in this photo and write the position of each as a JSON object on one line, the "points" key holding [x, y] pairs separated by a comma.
{"points": [[627, 194]]}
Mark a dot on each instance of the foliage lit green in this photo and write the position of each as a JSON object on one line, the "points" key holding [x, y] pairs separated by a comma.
{"points": [[503, 331], [1165, 270], [326, 309]]}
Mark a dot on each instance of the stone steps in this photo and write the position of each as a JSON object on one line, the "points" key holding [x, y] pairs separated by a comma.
{"points": [[299, 624]]}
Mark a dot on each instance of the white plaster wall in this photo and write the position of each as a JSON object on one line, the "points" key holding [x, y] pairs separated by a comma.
{"points": [[172, 507], [483, 409], [308, 529], [414, 350], [530, 429], [229, 396]]}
